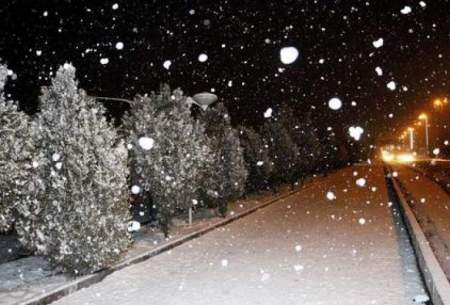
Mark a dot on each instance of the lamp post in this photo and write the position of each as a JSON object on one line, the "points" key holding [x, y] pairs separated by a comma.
{"points": [[203, 100], [411, 138], [424, 117]]}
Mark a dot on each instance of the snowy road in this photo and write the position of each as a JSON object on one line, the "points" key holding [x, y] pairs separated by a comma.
{"points": [[305, 249]]}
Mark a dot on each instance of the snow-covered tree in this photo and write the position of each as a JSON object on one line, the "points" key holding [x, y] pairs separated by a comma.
{"points": [[228, 178], [305, 136], [80, 218], [16, 151], [257, 160], [170, 150], [282, 151], [137, 123]]}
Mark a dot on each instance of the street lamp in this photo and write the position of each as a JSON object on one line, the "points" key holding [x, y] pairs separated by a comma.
{"points": [[203, 99], [411, 138], [424, 117], [438, 104]]}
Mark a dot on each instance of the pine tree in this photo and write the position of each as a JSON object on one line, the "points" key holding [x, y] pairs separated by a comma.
{"points": [[15, 156], [80, 218], [229, 175], [257, 159], [171, 152], [282, 150], [305, 136]]}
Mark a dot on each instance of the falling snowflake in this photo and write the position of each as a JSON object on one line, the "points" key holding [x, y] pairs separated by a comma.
{"points": [[378, 43], [259, 163], [56, 157], [167, 64], [135, 189], [119, 45], [268, 113], [298, 268], [436, 151], [331, 195], [146, 143], [202, 57], [361, 182], [391, 85], [115, 6], [104, 61], [379, 71], [361, 221], [298, 248], [355, 132], [288, 55], [38, 52], [335, 103], [224, 263], [422, 4], [406, 10]]}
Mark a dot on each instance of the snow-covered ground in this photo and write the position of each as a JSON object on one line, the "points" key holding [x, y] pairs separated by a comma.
{"points": [[311, 248], [431, 205], [27, 278]]}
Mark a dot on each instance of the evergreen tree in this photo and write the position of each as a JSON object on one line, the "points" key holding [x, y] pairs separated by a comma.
{"points": [[257, 159], [229, 174], [171, 152], [15, 156], [305, 136], [282, 150], [80, 218]]}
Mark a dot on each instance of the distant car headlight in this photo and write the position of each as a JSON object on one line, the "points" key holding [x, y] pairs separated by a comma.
{"points": [[406, 158], [387, 156]]}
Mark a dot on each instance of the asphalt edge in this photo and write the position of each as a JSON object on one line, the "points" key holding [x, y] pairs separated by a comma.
{"points": [[435, 280], [89, 280]]}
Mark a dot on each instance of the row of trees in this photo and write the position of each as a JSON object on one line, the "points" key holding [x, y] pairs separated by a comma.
{"points": [[180, 161], [67, 175], [287, 148]]}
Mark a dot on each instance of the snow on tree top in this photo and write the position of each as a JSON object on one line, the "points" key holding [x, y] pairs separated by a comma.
{"points": [[3, 76]]}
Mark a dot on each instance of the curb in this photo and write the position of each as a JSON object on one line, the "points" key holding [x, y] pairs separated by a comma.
{"points": [[435, 280], [86, 281]]}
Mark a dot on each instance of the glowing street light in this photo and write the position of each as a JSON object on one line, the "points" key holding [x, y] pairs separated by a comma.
{"points": [[411, 138], [438, 103], [424, 117]]}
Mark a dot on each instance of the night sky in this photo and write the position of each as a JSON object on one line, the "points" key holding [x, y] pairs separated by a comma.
{"points": [[242, 40]]}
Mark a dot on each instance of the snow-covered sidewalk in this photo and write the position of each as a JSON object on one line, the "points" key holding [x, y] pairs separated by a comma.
{"points": [[334, 242], [31, 278]]}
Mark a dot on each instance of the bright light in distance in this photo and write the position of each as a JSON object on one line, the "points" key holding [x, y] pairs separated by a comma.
{"points": [[405, 158], [387, 156], [422, 116]]}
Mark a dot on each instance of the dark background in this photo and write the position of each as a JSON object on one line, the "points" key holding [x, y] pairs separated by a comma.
{"points": [[415, 53]]}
